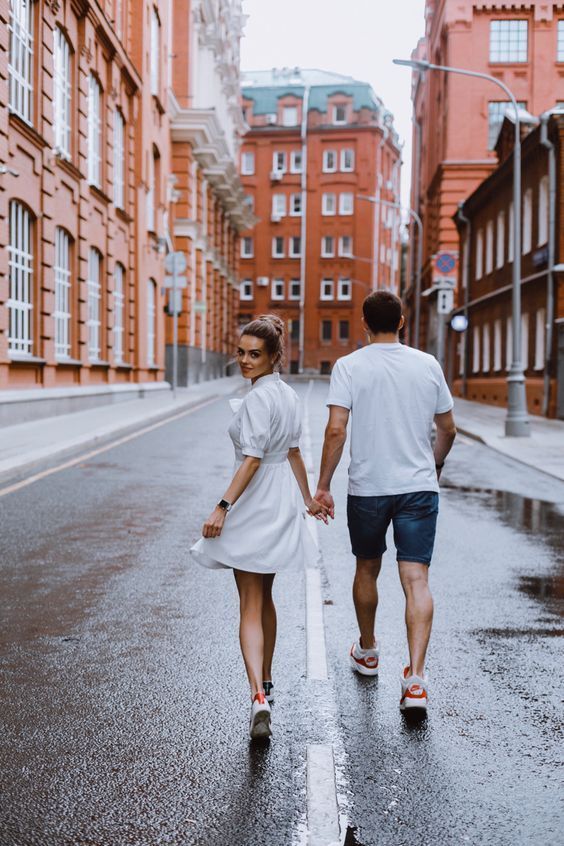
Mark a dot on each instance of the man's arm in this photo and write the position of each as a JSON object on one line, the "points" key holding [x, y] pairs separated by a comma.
{"points": [[335, 438], [446, 433]]}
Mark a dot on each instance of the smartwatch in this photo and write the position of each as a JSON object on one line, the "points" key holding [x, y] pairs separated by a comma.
{"points": [[224, 504]]}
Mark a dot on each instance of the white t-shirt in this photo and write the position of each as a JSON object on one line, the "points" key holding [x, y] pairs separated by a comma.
{"points": [[393, 392]]}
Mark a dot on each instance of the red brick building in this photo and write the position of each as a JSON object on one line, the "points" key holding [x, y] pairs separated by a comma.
{"points": [[482, 356], [457, 118], [317, 248]]}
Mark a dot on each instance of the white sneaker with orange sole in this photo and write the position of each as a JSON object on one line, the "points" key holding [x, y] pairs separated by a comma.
{"points": [[260, 717], [414, 693], [364, 661]]}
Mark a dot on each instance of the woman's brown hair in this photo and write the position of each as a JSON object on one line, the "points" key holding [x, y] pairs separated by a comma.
{"points": [[270, 329]]}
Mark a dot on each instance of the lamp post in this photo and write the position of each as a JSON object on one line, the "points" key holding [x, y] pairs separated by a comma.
{"points": [[517, 420], [419, 223]]}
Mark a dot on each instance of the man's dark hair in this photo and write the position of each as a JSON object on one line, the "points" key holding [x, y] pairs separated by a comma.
{"points": [[382, 312]]}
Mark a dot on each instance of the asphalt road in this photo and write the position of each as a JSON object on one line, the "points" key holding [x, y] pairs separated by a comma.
{"points": [[123, 701]]}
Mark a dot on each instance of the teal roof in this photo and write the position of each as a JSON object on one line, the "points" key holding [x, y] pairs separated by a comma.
{"points": [[266, 98]]}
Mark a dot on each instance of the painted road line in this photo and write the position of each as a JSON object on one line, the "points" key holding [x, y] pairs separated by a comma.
{"points": [[316, 651], [322, 809], [85, 456]]}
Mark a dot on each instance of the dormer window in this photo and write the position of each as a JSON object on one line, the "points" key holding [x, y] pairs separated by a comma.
{"points": [[339, 114]]}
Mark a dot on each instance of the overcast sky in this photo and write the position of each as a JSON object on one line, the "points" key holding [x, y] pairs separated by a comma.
{"points": [[355, 37]]}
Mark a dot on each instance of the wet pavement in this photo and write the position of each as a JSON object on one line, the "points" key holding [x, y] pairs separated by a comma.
{"points": [[123, 703]]}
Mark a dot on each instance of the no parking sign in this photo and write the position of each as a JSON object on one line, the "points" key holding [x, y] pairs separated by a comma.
{"points": [[445, 268]]}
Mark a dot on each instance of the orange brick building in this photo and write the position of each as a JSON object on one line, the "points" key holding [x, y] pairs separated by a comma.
{"points": [[456, 118], [317, 248]]}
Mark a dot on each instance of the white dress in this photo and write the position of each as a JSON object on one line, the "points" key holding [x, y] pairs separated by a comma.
{"points": [[266, 530]]}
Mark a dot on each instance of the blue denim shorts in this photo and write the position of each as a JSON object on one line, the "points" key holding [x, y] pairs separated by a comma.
{"points": [[414, 518]]}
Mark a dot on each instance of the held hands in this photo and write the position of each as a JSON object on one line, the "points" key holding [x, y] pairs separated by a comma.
{"points": [[214, 523], [315, 509], [324, 498]]}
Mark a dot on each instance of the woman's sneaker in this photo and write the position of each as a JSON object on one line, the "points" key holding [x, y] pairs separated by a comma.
{"points": [[268, 687], [413, 691], [364, 661], [260, 717]]}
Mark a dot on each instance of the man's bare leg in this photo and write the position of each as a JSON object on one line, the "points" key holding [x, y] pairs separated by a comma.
{"points": [[365, 597], [414, 578]]}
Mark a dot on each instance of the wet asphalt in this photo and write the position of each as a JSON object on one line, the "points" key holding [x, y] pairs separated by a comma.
{"points": [[123, 701]]}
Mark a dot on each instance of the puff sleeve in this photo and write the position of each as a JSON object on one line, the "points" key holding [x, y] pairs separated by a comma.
{"points": [[297, 424], [255, 425]]}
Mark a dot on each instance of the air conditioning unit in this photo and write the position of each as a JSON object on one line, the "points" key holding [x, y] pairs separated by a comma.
{"points": [[276, 175], [262, 281], [276, 218], [271, 119]]}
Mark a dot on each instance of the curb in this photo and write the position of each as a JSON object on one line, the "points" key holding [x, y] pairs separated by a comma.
{"points": [[480, 440]]}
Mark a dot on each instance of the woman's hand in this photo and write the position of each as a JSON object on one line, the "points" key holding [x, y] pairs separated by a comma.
{"points": [[317, 510], [214, 523]]}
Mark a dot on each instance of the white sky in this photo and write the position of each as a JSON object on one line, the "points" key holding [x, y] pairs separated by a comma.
{"points": [[355, 37]]}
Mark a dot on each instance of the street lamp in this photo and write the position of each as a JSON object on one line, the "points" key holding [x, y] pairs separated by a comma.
{"points": [[517, 420], [419, 224]]}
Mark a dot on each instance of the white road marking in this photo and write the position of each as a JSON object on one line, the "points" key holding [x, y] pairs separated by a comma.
{"points": [[322, 810], [85, 456], [316, 652]]}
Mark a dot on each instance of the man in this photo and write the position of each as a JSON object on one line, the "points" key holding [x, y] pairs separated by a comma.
{"points": [[394, 393]]}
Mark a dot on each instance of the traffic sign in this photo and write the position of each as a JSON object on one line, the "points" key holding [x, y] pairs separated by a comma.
{"points": [[445, 300], [446, 263], [175, 262], [180, 282], [174, 305], [444, 281]]}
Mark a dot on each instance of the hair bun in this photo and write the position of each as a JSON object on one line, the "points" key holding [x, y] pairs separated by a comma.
{"points": [[274, 321]]}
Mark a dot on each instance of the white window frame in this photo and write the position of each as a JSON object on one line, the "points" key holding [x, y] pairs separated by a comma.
{"points": [[500, 240], [276, 253], [336, 121], [296, 158], [476, 350], [543, 212], [247, 163], [247, 246], [296, 205], [328, 204], [327, 156], [277, 289], [560, 42], [94, 298], [327, 253], [292, 252], [119, 313], [525, 341], [246, 290], [150, 196], [21, 296], [347, 152], [151, 323], [508, 342], [279, 205], [344, 288], [346, 203], [62, 88], [479, 270], [511, 234], [527, 245], [62, 313], [486, 348], [489, 247], [119, 160], [295, 289], [285, 121], [506, 41], [94, 131], [497, 362], [344, 253], [540, 339], [327, 289], [155, 50], [20, 62], [279, 161]]}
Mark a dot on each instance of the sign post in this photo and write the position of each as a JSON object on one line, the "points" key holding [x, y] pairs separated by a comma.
{"points": [[445, 272], [175, 264]]}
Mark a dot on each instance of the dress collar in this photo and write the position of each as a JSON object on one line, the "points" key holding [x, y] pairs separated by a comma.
{"points": [[270, 377]]}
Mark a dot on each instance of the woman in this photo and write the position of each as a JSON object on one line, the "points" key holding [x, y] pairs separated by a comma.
{"points": [[257, 528]]}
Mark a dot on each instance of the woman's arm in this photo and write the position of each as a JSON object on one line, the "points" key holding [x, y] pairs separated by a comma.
{"points": [[239, 483], [300, 472]]}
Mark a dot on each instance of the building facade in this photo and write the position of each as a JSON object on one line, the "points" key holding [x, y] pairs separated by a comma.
{"points": [[457, 118], [319, 151], [482, 356]]}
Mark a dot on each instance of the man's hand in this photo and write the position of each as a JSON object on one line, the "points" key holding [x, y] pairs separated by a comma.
{"points": [[317, 510], [324, 498], [214, 523]]}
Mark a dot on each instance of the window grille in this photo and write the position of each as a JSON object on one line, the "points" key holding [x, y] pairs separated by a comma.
{"points": [[94, 131], [20, 303], [20, 64], [119, 160], [151, 322], [119, 311], [508, 41], [62, 312], [62, 94], [94, 293]]}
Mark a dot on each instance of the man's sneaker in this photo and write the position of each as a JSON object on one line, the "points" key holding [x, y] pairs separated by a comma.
{"points": [[268, 687], [260, 717], [364, 661], [413, 691]]}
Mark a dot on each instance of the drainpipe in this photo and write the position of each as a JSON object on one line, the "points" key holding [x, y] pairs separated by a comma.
{"points": [[303, 229], [551, 250], [466, 285]]}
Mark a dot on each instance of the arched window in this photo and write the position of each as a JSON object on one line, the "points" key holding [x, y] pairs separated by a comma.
{"points": [[151, 322], [62, 94], [94, 288], [94, 132], [63, 283], [119, 160], [20, 304], [20, 65], [119, 312]]}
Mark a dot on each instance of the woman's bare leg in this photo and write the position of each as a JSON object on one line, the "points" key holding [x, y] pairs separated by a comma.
{"points": [[250, 587], [268, 625]]}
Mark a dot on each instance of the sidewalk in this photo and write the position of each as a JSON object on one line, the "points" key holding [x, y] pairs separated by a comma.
{"points": [[543, 450], [31, 447]]}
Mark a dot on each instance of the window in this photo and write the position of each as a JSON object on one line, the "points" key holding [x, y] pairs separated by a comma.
{"points": [[290, 116], [496, 114], [295, 205], [345, 289], [489, 246], [511, 234], [479, 254], [347, 160], [62, 94], [497, 346], [527, 222], [94, 290], [296, 161], [326, 331], [560, 49], [62, 314], [150, 197], [476, 350], [20, 303], [500, 240], [118, 17], [94, 132], [508, 41], [462, 353], [20, 64], [246, 289], [327, 246], [250, 202], [278, 247], [119, 160], [295, 246], [525, 340], [486, 349], [247, 247], [508, 343], [326, 289], [340, 114], [279, 162], [543, 211], [346, 246], [278, 205], [344, 330], [295, 331], [540, 328], [119, 310], [295, 289], [328, 204], [329, 161], [151, 322], [277, 292], [247, 164], [346, 204], [155, 51]]}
